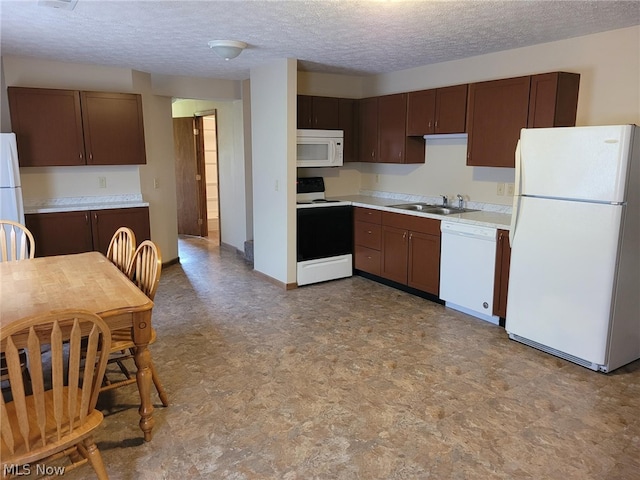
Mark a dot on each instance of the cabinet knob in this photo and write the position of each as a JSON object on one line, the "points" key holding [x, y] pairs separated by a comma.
{"points": [[80, 155], [369, 232]]}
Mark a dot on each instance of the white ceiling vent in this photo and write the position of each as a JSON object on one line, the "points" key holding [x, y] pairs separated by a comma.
{"points": [[61, 4]]}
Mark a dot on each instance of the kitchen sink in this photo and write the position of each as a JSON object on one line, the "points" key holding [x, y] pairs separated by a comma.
{"points": [[429, 208]]}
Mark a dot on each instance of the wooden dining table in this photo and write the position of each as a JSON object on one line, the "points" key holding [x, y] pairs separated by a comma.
{"points": [[86, 281]]}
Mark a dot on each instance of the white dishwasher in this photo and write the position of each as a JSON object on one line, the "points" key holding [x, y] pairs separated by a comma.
{"points": [[467, 268]]}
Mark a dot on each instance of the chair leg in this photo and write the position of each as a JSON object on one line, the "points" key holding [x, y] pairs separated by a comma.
{"points": [[156, 381], [90, 452]]}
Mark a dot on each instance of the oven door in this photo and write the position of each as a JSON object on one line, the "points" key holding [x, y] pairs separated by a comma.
{"points": [[324, 232]]}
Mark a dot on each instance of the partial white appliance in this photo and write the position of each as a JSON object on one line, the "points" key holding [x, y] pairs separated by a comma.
{"points": [[11, 206], [467, 268], [324, 234], [320, 148], [575, 240]]}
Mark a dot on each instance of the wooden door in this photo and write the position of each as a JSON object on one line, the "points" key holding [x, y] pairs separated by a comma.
{"points": [[424, 262], [60, 233], [113, 128], [451, 109], [190, 191], [48, 126], [497, 112], [394, 254]]}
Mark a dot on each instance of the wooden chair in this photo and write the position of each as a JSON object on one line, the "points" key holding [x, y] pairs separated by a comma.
{"points": [[16, 242], [57, 419], [144, 271], [121, 248]]}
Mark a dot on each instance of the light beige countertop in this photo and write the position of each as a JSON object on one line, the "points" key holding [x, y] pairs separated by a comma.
{"points": [[485, 218], [74, 204]]}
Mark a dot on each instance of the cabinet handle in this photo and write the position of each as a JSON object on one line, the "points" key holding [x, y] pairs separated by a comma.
{"points": [[410, 236], [404, 236], [369, 232], [436, 124], [80, 155], [500, 237], [91, 156], [429, 124]]}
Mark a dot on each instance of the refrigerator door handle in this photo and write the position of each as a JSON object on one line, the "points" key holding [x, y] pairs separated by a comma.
{"points": [[516, 195]]}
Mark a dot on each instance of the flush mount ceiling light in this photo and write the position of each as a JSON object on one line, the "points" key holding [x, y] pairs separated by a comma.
{"points": [[227, 49]]}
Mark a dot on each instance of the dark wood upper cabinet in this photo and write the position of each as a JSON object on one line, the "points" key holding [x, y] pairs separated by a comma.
{"points": [[553, 101], [437, 111], [67, 127], [368, 129], [113, 128], [392, 115], [393, 144], [348, 123], [48, 126], [318, 112], [497, 111]]}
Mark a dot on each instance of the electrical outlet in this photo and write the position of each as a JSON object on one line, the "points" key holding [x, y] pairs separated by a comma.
{"points": [[510, 189], [102, 182], [156, 183], [500, 189], [377, 178], [277, 186]]}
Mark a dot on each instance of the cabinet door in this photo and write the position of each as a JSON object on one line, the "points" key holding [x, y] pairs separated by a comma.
{"points": [[392, 115], [60, 233], [48, 126], [451, 109], [104, 224], [394, 254], [326, 113], [497, 112], [501, 279], [424, 262], [553, 101], [421, 109], [368, 130], [304, 111], [113, 128], [348, 112]]}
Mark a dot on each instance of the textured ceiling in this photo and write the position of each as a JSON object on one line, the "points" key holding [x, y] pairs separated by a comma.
{"points": [[350, 37]]}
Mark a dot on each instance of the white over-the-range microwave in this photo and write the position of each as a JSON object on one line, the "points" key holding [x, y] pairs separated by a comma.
{"points": [[320, 148]]}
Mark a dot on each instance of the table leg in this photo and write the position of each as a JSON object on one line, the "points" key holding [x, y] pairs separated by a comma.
{"points": [[142, 357]]}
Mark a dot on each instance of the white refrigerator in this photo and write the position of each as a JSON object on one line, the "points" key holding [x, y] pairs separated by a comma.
{"points": [[574, 280], [11, 206]]}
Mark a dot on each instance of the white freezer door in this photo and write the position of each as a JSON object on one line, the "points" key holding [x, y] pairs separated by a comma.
{"points": [[563, 265], [587, 163]]}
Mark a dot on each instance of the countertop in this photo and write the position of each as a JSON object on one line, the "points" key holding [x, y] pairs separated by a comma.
{"points": [[484, 218], [74, 204]]}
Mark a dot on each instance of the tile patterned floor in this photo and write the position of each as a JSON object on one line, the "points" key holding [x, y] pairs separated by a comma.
{"points": [[354, 380]]}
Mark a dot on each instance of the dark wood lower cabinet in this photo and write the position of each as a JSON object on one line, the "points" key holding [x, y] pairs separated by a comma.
{"points": [[410, 252], [63, 233], [501, 279]]}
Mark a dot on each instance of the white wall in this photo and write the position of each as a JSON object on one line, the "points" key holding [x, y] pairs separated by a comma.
{"points": [[609, 64], [273, 126]]}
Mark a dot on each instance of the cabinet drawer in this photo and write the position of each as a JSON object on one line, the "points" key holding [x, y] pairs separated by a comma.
{"points": [[367, 215], [367, 234], [367, 260], [411, 222]]}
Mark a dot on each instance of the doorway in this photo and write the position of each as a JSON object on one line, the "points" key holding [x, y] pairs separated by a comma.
{"points": [[196, 163]]}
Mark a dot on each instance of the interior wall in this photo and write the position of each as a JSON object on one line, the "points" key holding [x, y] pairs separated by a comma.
{"points": [[609, 64], [273, 121]]}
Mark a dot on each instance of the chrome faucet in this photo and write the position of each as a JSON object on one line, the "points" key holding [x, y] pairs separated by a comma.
{"points": [[460, 200], [444, 200]]}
